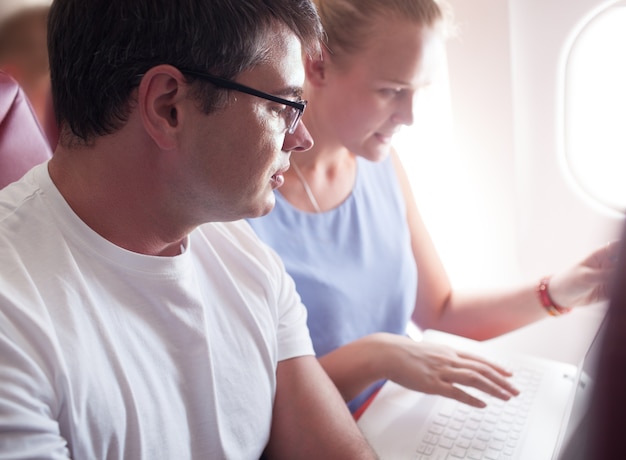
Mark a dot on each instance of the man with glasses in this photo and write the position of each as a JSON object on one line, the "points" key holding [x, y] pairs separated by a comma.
{"points": [[292, 111], [140, 317]]}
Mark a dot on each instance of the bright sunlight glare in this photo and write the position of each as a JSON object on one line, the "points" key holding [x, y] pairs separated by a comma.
{"points": [[595, 108]]}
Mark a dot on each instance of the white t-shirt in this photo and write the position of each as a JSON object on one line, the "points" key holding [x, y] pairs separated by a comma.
{"points": [[106, 353]]}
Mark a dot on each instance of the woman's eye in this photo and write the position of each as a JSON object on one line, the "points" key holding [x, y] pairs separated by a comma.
{"points": [[391, 92]]}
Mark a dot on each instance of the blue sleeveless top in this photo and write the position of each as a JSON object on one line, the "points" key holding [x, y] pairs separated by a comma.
{"points": [[353, 265]]}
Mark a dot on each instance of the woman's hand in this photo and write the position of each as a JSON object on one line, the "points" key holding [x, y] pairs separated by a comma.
{"points": [[587, 282], [438, 369]]}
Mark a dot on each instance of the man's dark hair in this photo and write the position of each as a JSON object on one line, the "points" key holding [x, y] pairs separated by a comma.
{"points": [[97, 48]]}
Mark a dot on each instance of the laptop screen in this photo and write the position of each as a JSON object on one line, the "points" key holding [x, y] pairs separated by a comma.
{"points": [[576, 424], [600, 436]]}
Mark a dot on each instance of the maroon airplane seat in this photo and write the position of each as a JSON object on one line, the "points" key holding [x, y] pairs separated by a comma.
{"points": [[23, 143]]}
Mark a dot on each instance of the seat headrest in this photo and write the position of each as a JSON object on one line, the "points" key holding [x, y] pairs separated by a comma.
{"points": [[23, 143]]}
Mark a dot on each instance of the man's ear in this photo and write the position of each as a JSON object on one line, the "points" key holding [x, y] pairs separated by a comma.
{"points": [[161, 92]]}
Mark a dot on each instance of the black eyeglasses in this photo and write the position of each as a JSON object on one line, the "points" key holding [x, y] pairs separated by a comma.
{"points": [[293, 109]]}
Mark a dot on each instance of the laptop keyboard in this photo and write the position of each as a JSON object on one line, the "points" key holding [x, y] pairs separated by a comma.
{"points": [[459, 431]]}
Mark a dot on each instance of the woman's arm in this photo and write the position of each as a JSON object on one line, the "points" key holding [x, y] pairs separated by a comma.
{"points": [[429, 368], [483, 315]]}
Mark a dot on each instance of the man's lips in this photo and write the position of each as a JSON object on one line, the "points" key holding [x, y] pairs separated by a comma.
{"points": [[278, 177]]}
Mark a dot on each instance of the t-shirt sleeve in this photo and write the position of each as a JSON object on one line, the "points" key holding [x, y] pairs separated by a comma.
{"points": [[293, 338], [293, 334], [28, 428]]}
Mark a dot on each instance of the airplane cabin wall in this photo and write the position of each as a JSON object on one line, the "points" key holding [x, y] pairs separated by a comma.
{"points": [[556, 219]]}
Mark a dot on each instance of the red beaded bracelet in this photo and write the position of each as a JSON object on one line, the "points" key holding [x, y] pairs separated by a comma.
{"points": [[544, 297]]}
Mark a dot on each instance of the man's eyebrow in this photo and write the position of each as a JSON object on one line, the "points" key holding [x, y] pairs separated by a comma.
{"points": [[294, 91]]}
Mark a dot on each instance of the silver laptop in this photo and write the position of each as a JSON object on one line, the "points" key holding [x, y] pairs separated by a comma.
{"points": [[403, 424]]}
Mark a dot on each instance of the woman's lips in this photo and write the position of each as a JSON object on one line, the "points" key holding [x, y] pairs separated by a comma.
{"points": [[384, 138]]}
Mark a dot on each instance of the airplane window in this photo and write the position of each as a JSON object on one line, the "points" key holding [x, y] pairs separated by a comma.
{"points": [[595, 108]]}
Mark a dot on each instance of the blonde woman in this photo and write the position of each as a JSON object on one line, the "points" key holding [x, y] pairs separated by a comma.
{"points": [[348, 230]]}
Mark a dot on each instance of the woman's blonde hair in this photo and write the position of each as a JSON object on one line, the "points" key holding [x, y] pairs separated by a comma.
{"points": [[348, 24]]}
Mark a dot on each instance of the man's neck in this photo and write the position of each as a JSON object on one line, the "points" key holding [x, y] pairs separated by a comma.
{"points": [[124, 210]]}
